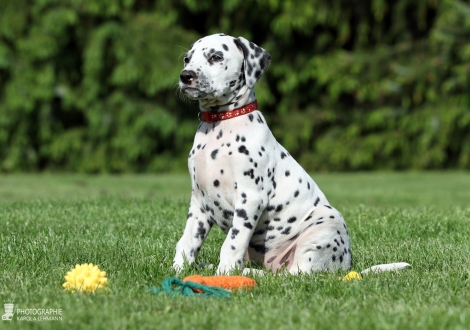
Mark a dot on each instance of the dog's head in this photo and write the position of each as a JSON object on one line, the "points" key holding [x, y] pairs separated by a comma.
{"points": [[219, 66]]}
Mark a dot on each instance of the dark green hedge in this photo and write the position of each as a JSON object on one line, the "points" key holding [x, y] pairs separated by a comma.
{"points": [[90, 85]]}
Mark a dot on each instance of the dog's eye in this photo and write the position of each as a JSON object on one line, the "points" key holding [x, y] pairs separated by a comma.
{"points": [[216, 57], [186, 60]]}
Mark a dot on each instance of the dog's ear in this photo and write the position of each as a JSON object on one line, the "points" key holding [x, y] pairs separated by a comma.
{"points": [[256, 61]]}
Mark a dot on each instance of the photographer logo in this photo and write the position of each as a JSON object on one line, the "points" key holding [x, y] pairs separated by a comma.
{"points": [[8, 315], [30, 314]]}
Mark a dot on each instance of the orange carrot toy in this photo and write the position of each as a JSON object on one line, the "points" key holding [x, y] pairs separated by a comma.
{"points": [[226, 282]]}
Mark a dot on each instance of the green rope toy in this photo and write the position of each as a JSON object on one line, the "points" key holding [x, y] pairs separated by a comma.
{"points": [[176, 287]]}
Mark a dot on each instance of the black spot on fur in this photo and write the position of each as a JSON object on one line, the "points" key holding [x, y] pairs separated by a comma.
{"points": [[291, 220], [242, 214], [286, 231], [201, 231], [227, 214], [249, 173], [235, 232], [242, 149], [214, 153]]}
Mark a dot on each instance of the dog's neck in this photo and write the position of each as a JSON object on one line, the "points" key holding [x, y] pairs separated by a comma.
{"points": [[243, 97]]}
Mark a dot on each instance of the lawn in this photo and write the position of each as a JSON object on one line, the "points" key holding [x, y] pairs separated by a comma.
{"points": [[129, 225]]}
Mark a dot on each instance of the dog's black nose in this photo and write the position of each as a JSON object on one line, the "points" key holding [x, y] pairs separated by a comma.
{"points": [[187, 76]]}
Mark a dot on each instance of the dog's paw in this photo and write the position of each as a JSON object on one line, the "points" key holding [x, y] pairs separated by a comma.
{"points": [[227, 270], [222, 271], [177, 268]]}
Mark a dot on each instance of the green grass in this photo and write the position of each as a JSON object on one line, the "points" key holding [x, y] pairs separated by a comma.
{"points": [[129, 225]]}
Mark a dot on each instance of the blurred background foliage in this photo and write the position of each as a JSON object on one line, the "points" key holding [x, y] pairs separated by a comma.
{"points": [[90, 85]]}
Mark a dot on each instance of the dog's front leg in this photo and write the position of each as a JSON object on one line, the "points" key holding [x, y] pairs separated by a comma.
{"points": [[196, 230], [248, 209]]}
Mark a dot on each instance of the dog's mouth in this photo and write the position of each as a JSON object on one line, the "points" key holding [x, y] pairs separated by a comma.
{"points": [[193, 92]]}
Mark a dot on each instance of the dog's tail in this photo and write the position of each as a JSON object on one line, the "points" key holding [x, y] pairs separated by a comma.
{"points": [[386, 267]]}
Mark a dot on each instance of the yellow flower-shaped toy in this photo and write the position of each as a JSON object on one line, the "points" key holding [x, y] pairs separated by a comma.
{"points": [[85, 278]]}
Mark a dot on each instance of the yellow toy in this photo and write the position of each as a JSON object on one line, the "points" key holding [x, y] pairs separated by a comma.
{"points": [[352, 276], [85, 278]]}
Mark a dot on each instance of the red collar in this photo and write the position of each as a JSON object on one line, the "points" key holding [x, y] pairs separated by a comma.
{"points": [[210, 117]]}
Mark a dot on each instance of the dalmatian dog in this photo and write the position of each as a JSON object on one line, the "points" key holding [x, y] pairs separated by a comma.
{"points": [[243, 180]]}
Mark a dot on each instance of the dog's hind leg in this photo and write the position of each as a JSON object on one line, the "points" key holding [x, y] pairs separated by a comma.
{"points": [[325, 245]]}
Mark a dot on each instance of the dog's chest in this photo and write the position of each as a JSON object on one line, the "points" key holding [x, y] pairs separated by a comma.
{"points": [[219, 162], [211, 168]]}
